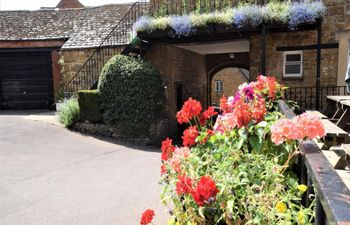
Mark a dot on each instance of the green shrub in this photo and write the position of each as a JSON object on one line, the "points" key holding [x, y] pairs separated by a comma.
{"points": [[89, 106], [68, 113], [131, 95]]}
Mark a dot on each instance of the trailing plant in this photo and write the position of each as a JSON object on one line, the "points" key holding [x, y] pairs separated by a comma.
{"points": [[276, 12], [68, 112], [245, 15], [223, 17], [236, 171], [131, 95]]}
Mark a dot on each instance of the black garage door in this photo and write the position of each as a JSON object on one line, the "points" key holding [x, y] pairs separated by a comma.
{"points": [[25, 80]]}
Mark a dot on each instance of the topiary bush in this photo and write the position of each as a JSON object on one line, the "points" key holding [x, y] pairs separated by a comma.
{"points": [[89, 106], [131, 95], [69, 112]]}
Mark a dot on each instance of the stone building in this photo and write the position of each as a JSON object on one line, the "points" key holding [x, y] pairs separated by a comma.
{"points": [[204, 67], [41, 50]]}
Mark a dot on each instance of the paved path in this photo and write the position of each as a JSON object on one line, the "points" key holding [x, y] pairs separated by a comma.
{"points": [[51, 176]]}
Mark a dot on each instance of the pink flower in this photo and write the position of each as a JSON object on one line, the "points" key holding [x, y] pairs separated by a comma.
{"points": [[179, 154], [306, 125], [225, 122]]}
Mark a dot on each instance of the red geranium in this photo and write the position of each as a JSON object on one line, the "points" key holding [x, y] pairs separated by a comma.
{"points": [[184, 185], [147, 217], [205, 191], [268, 84], [190, 135], [241, 111], [207, 136], [190, 109], [207, 114], [259, 110], [163, 169], [167, 149], [224, 106]]}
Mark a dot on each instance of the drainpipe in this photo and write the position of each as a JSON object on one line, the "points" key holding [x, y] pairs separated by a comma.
{"points": [[318, 70], [263, 47]]}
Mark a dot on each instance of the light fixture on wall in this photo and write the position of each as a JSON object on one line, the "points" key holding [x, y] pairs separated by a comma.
{"points": [[231, 55]]}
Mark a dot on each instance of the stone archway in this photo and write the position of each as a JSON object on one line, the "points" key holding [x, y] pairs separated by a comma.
{"points": [[225, 82]]}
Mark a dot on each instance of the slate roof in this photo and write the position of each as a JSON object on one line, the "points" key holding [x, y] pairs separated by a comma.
{"points": [[84, 28]]}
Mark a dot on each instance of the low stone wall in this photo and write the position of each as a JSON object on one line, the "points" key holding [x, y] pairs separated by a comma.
{"points": [[157, 132]]}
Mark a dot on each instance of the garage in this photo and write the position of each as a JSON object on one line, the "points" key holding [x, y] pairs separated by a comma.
{"points": [[26, 79]]}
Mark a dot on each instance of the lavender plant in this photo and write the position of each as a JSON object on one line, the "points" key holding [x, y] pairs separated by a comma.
{"points": [[182, 25]]}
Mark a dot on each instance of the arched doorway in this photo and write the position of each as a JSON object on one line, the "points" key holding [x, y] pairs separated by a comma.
{"points": [[225, 82]]}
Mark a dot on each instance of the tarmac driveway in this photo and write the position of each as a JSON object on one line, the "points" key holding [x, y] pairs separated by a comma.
{"points": [[51, 176]]}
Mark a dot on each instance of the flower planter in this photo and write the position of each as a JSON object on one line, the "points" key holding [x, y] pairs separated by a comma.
{"points": [[209, 29], [156, 34], [222, 28]]}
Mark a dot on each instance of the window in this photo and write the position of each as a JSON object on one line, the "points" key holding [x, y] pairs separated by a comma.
{"points": [[219, 86], [293, 64]]}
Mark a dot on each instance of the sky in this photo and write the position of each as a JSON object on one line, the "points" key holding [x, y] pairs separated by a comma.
{"points": [[36, 4]]}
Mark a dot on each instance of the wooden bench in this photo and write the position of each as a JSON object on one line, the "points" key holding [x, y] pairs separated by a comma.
{"points": [[318, 113], [334, 135], [337, 158], [345, 176]]}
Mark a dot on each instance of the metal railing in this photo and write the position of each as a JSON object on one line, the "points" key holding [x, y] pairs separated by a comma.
{"points": [[306, 96], [114, 43], [314, 170]]}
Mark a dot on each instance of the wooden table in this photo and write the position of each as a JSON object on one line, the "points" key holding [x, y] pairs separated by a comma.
{"points": [[344, 108], [334, 103]]}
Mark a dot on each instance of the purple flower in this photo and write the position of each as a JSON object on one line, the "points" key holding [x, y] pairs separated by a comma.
{"points": [[236, 98], [182, 25], [305, 12], [247, 15], [249, 92], [144, 23]]}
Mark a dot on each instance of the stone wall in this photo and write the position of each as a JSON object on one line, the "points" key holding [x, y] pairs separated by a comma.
{"points": [[183, 68], [232, 78], [337, 19], [73, 59]]}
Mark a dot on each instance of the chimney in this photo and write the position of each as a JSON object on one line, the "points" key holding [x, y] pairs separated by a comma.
{"points": [[69, 4]]}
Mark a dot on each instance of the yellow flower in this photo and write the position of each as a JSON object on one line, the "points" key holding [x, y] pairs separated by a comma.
{"points": [[302, 188], [171, 222], [281, 207], [300, 217], [191, 223]]}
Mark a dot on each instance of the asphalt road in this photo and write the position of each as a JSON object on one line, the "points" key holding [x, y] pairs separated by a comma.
{"points": [[51, 176]]}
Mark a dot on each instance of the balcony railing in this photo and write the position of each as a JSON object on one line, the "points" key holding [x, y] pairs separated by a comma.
{"points": [[179, 7], [306, 96]]}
